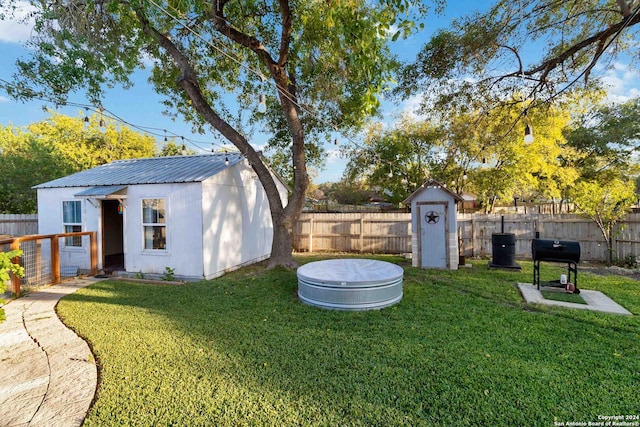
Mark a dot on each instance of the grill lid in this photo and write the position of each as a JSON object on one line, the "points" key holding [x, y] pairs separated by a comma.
{"points": [[555, 250]]}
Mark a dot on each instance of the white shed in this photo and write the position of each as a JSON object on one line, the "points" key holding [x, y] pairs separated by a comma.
{"points": [[434, 224], [199, 215]]}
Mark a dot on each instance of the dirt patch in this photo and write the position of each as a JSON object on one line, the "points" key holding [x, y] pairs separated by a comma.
{"points": [[604, 270]]}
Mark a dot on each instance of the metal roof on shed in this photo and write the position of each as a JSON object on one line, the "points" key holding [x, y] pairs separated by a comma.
{"points": [[432, 183], [156, 170]]}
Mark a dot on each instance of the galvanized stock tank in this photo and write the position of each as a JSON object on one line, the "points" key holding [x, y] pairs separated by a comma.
{"points": [[350, 284]]}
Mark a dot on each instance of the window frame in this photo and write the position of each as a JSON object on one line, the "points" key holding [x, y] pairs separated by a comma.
{"points": [[74, 225], [156, 224]]}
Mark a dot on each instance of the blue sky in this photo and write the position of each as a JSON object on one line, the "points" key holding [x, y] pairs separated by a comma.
{"points": [[140, 106]]}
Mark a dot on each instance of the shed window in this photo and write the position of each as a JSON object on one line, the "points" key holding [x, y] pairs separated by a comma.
{"points": [[154, 224], [72, 222]]}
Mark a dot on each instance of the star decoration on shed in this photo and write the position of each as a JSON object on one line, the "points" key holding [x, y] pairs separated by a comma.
{"points": [[432, 217]]}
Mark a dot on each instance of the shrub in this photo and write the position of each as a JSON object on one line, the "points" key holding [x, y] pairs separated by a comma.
{"points": [[7, 266], [629, 261]]}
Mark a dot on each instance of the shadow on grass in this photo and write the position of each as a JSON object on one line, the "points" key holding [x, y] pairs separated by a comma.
{"points": [[457, 350]]}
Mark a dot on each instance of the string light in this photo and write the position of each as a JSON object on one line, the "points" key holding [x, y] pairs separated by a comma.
{"points": [[262, 103], [528, 136], [149, 130], [101, 118]]}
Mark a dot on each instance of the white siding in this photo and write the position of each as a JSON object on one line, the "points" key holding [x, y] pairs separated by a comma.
{"points": [[431, 194], [50, 222], [212, 226], [237, 227], [184, 240]]}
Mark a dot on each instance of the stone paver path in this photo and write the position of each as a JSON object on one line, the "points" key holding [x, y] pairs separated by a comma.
{"points": [[47, 373]]}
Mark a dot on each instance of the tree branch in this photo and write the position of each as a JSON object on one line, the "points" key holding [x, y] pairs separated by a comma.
{"points": [[625, 8], [250, 42], [594, 61], [602, 36], [188, 81], [286, 92], [285, 36]]}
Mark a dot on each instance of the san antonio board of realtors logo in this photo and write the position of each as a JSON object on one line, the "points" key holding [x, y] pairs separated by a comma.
{"points": [[432, 217]]}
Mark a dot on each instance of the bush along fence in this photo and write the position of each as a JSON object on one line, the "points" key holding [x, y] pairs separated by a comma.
{"points": [[391, 233], [48, 259]]}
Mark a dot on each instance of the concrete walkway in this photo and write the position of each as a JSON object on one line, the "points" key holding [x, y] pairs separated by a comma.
{"points": [[47, 373]]}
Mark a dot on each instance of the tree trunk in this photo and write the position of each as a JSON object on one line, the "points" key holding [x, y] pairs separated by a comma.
{"points": [[281, 254], [282, 216], [610, 243]]}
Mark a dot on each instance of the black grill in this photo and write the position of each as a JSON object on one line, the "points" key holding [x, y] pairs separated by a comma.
{"points": [[559, 251]]}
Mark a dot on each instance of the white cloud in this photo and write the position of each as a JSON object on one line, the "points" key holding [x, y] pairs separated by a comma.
{"points": [[19, 27], [4, 99], [622, 82], [259, 147], [411, 106], [333, 155]]}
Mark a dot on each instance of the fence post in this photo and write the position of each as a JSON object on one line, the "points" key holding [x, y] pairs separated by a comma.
{"points": [[311, 235], [55, 260], [38, 261], [361, 232], [93, 241], [473, 237], [15, 280]]}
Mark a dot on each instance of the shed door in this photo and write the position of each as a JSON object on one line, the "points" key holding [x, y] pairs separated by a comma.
{"points": [[433, 242]]}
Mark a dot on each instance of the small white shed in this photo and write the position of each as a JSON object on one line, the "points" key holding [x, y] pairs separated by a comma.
{"points": [[434, 239], [199, 215]]}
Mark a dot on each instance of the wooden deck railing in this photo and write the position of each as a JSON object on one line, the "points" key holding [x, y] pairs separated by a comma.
{"points": [[55, 278]]}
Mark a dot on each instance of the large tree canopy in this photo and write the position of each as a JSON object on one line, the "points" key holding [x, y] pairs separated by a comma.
{"points": [[474, 152], [605, 203], [608, 136], [396, 160], [495, 52], [319, 63]]}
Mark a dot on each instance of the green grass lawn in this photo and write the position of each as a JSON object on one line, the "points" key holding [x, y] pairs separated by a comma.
{"points": [[561, 295], [461, 348]]}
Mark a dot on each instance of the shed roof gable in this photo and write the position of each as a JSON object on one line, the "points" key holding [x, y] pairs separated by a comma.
{"points": [[432, 183]]}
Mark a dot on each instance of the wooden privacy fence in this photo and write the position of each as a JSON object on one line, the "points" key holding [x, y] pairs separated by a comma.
{"points": [[353, 232], [46, 259], [391, 233], [18, 224], [474, 233]]}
